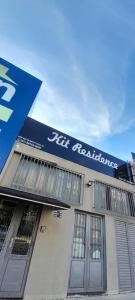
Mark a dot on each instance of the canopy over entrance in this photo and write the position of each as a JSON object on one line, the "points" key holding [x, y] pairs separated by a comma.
{"points": [[51, 202]]}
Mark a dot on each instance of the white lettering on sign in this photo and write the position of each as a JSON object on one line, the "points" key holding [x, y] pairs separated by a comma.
{"points": [[10, 91], [59, 140], [78, 147]]}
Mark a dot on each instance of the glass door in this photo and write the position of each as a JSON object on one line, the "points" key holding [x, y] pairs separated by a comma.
{"points": [[18, 247], [86, 274]]}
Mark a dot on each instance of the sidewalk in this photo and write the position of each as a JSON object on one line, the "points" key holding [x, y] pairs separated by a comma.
{"points": [[126, 296]]}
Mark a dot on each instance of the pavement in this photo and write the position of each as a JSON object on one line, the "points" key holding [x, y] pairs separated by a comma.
{"points": [[124, 296]]}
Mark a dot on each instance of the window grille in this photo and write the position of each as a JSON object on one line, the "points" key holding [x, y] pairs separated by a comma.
{"points": [[114, 199], [79, 236], [46, 179], [95, 238], [87, 239]]}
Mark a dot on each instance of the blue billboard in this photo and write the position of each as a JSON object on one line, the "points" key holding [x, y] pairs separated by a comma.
{"points": [[45, 138], [18, 90]]}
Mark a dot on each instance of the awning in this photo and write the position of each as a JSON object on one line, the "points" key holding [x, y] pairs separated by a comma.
{"points": [[17, 194]]}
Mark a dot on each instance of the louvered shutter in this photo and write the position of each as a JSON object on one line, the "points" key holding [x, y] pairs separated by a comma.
{"points": [[124, 268], [131, 241]]}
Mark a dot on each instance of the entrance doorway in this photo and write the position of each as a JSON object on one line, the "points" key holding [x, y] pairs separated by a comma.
{"points": [[86, 273], [18, 224]]}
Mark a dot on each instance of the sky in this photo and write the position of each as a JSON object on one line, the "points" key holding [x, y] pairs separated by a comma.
{"points": [[84, 52]]}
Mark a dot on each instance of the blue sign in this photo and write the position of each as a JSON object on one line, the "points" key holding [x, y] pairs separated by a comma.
{"points": [[18, 90], [50, 140]]}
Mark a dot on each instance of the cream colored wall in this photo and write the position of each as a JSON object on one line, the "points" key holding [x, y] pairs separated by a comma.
{"points": [[49, 269], [50, 264]]}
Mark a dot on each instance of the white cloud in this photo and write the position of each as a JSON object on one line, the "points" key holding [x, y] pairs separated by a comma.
{"points": [[88, 120], [74, 105]]}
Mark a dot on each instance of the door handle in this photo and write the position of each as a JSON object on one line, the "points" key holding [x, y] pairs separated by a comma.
{"points": [[11, 243]]}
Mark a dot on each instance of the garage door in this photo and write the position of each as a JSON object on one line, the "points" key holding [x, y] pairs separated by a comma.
{"points": [[125, 236]]}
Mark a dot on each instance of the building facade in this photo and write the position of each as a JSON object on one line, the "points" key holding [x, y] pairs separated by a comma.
{"points": [[67, 219]]}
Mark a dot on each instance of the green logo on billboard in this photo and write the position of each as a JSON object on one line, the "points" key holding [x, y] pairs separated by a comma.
{"points": [[3, 74], [5, 113], [10, 90]]}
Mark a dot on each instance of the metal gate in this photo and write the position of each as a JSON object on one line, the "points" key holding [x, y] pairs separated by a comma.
{"points": [[18, 223], [86, 274], [125, 237]]}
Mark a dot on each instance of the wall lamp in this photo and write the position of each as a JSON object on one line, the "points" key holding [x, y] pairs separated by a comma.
{"points": [[89, 183]]}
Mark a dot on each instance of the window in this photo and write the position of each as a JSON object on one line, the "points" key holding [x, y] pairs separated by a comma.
{"points": [[95, 243], [41, 177], [119, 201], [23, 238], [79, 236], [87, 240], [100, 195], [114, 199]]}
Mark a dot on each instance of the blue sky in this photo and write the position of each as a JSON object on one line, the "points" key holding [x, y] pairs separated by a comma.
{"points": [[84, 51]]}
